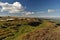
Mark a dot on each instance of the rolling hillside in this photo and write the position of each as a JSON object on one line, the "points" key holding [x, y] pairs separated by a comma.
{"points": [[20, 28]]}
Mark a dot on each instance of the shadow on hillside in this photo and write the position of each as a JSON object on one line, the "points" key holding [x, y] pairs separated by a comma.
{"points": [[34, 23], [58, 24]]}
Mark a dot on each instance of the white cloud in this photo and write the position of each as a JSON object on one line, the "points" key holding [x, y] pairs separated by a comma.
{"points": [[16, 7], [51, 10], [29, 13]]}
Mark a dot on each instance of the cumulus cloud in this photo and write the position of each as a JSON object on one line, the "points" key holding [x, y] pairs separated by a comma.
{"points": [[51, 10], [16, 7], [29, 13]]}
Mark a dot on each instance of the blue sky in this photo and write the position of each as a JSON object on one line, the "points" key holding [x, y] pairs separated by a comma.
{"points": [[38, 8]]}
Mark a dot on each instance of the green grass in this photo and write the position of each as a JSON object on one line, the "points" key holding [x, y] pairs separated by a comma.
{"points": [[19, 31]]}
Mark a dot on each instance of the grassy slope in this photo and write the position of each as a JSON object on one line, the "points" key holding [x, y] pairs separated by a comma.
{"points": [[44, 24], [24, 29], [50, 31]]}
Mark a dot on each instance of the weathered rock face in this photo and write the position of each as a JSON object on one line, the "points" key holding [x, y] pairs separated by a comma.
{"points": [[46, 33]]}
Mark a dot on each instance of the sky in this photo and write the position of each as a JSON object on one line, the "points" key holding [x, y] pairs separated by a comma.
{"points": [[30, 8]]}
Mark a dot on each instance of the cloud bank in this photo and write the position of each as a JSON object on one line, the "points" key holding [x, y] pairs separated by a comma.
{"points": [[16, 7], [28, 13], [51, 11]]}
